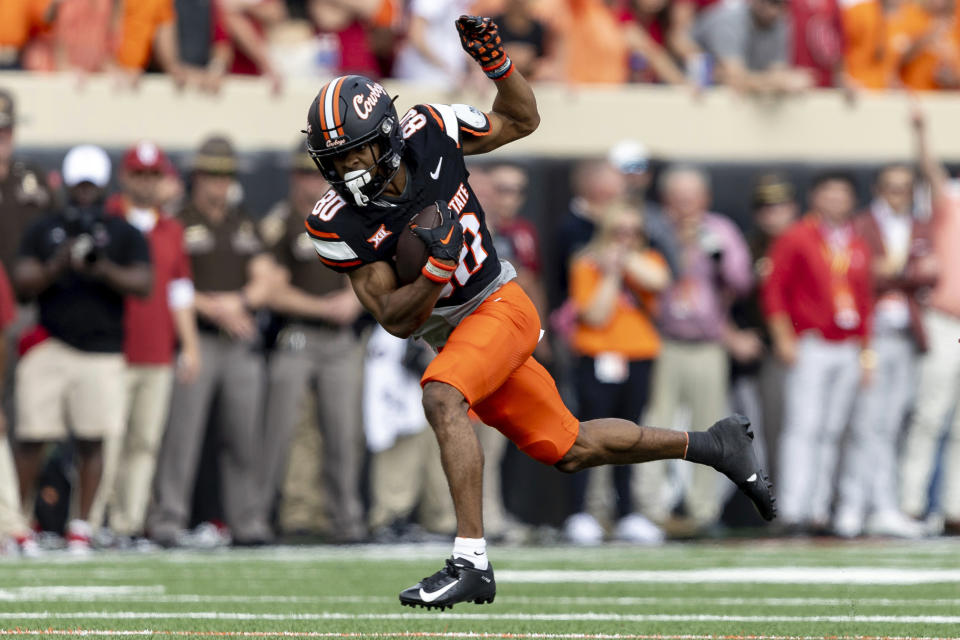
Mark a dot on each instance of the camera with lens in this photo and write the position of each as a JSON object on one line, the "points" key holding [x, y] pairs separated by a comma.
{"points": [[84, 225], [712, 245]]}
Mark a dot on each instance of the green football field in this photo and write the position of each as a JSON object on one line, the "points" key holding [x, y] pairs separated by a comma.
{"points": [[743, 589]]}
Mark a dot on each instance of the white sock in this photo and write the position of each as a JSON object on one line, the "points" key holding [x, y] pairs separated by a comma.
{"points": [[472, 549]]}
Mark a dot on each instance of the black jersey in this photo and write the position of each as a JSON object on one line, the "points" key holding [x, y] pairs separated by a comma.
{"points": [[347, 237]]}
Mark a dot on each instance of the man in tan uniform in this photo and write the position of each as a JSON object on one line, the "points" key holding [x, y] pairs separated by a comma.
{"points": [[317, 348], [232, 276]]}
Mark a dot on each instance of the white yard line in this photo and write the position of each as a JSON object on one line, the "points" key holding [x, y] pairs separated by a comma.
{"points": [[862, 575], [748, 575], [881, 549], [430, 634], [155, 593], [538, 617], [79, 592]]}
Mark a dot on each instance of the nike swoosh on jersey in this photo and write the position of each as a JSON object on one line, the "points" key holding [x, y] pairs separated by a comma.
{"points": [[436, 172], [430, 597]]}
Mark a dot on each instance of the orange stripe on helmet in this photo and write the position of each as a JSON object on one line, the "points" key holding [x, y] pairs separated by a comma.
{"points": [[338, 121], [320, 101]]}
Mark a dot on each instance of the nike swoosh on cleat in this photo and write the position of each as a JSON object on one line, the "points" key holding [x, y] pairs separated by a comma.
{"points": [[430, 597], [752, 478], [436, 172]]}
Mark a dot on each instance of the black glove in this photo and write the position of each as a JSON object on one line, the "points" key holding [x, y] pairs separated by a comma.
{"points": [[480, 37], [446, 239]]}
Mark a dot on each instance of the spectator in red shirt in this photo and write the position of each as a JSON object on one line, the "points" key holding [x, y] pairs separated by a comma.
{"points": [[818, 300], [649, 27], [653, 29], [245, 23], [516, 238], [345, 24], [152, 328], [817, 40], [12, 523], [904, 270]]}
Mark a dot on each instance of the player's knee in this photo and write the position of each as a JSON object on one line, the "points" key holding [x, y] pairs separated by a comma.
{"points": [[441, 402]]}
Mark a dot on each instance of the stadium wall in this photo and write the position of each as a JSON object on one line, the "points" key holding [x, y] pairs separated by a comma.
{"points": [[719, 125]]}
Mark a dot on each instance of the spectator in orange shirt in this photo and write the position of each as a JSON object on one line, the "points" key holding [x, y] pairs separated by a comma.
{"points": [[869, 58], [148, 32], [20, 19], [592, 33], [926, 39], [614, 281], [81, 38]]}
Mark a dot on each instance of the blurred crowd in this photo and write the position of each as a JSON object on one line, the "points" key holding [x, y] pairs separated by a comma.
{"points": [[180, 372], [762, 46]]}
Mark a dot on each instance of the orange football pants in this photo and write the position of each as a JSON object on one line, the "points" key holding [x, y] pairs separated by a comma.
{"points": [[488, 358]]}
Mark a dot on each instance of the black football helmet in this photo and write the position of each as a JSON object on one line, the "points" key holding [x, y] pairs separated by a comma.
{"points": [[349, 112]]}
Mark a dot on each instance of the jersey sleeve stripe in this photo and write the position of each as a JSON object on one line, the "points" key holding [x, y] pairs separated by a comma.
{"points": [[334, 263], [322, 235], [336, 251], [450, 122], [319, 234], [434, 114], [473, 132]]}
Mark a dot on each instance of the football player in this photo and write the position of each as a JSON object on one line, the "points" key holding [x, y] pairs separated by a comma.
{"points": [[383, 171]]}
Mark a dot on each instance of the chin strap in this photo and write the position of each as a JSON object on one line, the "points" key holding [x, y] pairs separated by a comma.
{"points": [[354, 181]]}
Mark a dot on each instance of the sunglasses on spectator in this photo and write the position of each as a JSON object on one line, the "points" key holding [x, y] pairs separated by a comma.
{"points": [[146, 173], [508, 189]]}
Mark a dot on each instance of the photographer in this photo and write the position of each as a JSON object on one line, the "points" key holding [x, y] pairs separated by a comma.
{"points": [[79, 264]]}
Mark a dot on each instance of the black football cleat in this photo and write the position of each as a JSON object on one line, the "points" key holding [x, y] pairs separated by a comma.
{"points": [[738, 461], [458, 581]]}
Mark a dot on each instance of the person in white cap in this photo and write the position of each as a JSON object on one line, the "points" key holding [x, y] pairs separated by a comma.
{"points": [[79, 265]]}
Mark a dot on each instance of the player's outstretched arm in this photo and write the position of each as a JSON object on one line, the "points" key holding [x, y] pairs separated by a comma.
{"points": [[514, 114]]}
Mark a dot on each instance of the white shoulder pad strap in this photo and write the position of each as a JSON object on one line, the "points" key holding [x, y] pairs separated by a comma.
{"points": [[331, 250], [449, 118]]}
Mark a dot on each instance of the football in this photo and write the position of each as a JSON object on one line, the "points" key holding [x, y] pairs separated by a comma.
{"points": [[412, 253]]}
